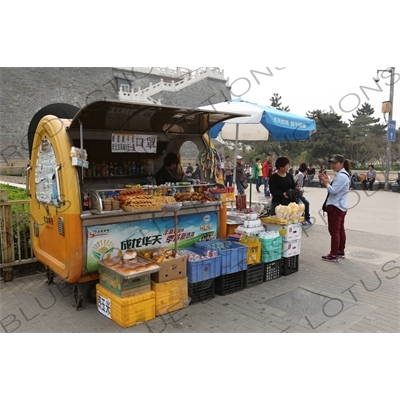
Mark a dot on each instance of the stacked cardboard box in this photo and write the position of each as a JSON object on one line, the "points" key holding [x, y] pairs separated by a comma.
{"points": [[126, 311], [133, 300], [171, 295], [122, 287], [291, 239], [126, 299], [170, 285]]}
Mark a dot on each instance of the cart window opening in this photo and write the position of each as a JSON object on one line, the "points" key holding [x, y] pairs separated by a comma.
{"points": [[189, 153]]}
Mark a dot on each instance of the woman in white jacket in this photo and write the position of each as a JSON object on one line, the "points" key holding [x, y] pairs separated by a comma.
{"points": [[337, 205]]}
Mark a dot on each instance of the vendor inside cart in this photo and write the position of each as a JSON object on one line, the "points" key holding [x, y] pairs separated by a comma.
{"points": [[168, 172]]}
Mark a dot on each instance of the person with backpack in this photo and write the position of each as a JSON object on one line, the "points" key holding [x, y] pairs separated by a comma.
{"points": [[337, 205], [370, 178]]}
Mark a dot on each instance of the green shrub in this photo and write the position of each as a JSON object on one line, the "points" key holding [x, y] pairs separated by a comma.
{"points": [[20, 221], [14, 193]]}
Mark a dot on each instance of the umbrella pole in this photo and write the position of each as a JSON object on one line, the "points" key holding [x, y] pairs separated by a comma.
{"points": [[251, 190], [236, 154]]}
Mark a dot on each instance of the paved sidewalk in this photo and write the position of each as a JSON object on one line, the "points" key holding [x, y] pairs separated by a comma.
{"points": [[358, 294]]}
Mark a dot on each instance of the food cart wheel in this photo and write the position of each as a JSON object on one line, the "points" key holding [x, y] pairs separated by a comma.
{"points": [[84, 292], [78, 297], [50, 276], [90, 292]]}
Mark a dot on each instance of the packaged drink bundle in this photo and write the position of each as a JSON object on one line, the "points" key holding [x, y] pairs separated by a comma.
{"points": [[191, 256]]}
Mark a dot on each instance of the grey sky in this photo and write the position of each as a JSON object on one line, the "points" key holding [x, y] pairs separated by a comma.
{"points": [[303, 89]]}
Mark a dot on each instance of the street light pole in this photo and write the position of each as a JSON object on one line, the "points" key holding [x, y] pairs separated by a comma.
{"points": [[388, 142]]}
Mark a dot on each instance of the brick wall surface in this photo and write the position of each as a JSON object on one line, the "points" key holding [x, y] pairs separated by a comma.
{"points": [[24, 92]]}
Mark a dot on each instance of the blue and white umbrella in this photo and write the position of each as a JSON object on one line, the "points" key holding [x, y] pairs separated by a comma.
{"points": [[259, 124]]}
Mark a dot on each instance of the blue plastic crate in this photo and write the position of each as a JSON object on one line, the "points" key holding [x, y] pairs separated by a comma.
{"points": [[233, 259], [199, 271]]}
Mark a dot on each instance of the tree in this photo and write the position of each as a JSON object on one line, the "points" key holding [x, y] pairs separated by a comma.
{"points": [[329, 137], [366, 142], [366, 110], [276, 103]]}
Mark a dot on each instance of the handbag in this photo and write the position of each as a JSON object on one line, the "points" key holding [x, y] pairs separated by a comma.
{"points": [[293, 195], [324, 208], [245, 184]]}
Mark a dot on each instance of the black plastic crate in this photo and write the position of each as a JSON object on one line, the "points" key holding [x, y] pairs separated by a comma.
{"points": [[254, 275], [290, 265], [231, 283], [272, 270], [201, 291]]}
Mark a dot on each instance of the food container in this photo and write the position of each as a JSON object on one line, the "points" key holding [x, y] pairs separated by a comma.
{"points": [[252, 216]]}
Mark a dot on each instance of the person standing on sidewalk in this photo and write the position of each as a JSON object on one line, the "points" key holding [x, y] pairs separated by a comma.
{"points": [[310, 174], [267, 172], [299, 180], [337, 205], [247, 171], [258, 174], [240, 178], [322, 170], [228, 171]]}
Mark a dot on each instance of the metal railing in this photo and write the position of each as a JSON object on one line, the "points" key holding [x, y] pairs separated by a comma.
{"points": [[184, 80], [15, 241]]}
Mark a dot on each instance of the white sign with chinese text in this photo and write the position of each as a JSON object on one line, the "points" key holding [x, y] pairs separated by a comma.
{"points": [[127, 143], [104, 305]]}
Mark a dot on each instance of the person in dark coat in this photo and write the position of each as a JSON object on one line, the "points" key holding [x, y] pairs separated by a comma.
{"points": [[168, 172], [196, 172], [240, 177], [280, 183]]}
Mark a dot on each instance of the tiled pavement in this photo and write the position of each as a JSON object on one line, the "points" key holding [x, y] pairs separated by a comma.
{"points": [[358, 294]]}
